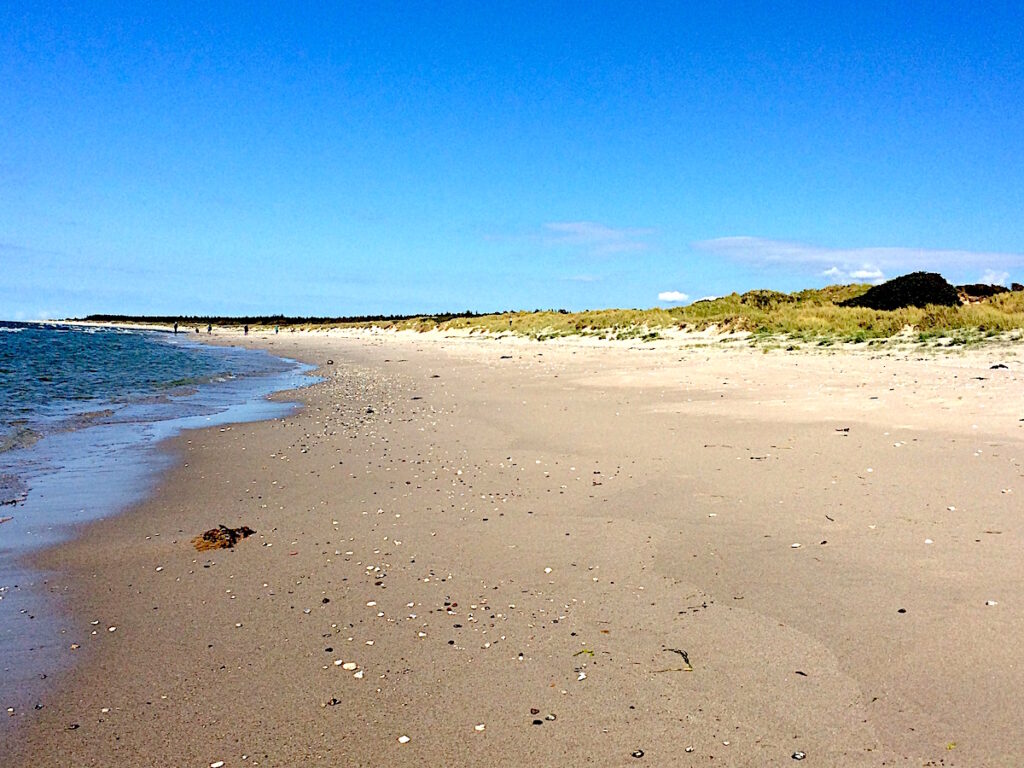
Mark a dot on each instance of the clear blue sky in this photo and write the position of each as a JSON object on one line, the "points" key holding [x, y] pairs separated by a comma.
{"points": [[417, 157]]}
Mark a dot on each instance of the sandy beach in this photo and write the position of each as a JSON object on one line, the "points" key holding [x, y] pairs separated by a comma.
{"points": [[476, 551]]}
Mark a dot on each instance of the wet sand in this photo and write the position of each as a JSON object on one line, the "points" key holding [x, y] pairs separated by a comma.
{"points": [[501, 550]]}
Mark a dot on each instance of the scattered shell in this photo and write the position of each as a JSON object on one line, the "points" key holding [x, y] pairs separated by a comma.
{"points": [[799, 755], [637, 754], [583, 676], [479, 727], [349, 665], [547, 570], [795, 546], [111, 629], [358, 675], [928, 541], [991, 602], [403, 739], [218, 764]]}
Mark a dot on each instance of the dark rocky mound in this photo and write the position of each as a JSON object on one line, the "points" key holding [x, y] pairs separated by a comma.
{"points": [[979, 291], [918, 289]]}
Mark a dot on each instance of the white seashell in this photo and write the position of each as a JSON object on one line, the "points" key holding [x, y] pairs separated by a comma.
{"points": [[403, 739], [349, 665]]}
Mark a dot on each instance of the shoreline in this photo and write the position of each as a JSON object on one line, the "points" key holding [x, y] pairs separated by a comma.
{"points": [[645, 484], [78, 471]]}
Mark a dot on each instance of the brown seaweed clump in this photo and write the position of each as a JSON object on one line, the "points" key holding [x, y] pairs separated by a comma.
{"points": [[221, 537]]}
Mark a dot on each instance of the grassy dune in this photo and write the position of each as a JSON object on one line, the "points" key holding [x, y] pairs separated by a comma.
{"points": [[809, 315], [768, 317]]}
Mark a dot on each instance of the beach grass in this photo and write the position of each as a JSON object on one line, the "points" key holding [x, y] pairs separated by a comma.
{"points": [[811, 316]]}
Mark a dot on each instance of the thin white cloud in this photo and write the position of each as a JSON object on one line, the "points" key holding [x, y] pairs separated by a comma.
{"points": [[992, 277], [674, 297], [861, 264], [597, 239]]}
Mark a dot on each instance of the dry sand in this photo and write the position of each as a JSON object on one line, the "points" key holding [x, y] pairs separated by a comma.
{"points": [[508, 539]]}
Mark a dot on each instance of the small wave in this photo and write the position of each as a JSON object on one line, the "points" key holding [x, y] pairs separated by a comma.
{"points": [[87, 419], [21, 437], [11, 330]]}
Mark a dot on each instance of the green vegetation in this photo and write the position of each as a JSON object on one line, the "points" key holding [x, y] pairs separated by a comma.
{"points": [[810, 317]]}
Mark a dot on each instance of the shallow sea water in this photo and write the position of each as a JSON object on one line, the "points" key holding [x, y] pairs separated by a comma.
{"points": [[74, 405]]}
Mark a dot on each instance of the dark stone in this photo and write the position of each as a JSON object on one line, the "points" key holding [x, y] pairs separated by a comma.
{"points": [[13, 490], [918, 289]]}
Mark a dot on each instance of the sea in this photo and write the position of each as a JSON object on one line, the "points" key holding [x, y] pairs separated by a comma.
{"points": [[82, 412]]}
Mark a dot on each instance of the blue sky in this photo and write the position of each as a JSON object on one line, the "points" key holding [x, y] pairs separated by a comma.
{"points": [[421, 157]]}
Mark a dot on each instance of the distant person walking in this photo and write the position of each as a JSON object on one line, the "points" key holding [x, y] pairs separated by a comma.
{"points": [[245, 329], [209, 328], [175, 327]]}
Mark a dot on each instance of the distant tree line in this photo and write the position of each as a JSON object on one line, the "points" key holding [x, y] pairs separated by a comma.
{"points": [[283, 320]]}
